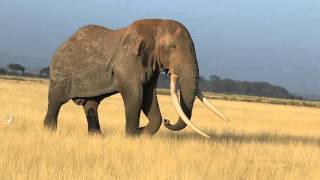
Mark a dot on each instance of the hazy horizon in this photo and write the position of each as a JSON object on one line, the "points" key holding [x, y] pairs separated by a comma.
{"points": [[270, 41]]}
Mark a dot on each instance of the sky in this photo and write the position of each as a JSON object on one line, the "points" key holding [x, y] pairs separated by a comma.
{"points": [[253, 40]]}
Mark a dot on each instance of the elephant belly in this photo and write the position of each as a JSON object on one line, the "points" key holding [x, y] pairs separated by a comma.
{"points": [[92, 83]]}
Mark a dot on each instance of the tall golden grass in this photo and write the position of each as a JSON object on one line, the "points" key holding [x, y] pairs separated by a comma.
{"points": [[263, 141]]}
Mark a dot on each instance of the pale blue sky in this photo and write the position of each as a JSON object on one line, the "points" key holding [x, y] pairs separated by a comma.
{"points": [[274, 41]]}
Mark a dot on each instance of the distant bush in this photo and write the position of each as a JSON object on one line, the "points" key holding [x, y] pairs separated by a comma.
{"points": [[44, 72], [3, 71], [16, 68]]}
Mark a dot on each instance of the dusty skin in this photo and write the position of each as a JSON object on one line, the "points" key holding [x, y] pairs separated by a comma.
{"points": [[262, 141]]}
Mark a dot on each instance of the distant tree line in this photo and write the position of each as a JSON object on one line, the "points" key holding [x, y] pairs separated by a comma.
{"points": [[18, 69], [13, 69], [228, 86], [213, 84]]}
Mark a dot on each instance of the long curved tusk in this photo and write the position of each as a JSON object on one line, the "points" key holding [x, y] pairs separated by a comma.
{"points": [[179, 110], [211, 106]]}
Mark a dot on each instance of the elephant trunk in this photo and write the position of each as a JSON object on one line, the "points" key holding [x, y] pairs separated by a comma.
{"points": [[188, 82], [188, 91]]}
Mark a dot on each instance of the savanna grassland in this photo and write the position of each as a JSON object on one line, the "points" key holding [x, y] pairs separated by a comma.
{"points": [[263, 141]]}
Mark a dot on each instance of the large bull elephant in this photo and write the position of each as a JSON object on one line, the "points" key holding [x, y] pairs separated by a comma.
{"points": [[97, 62]]}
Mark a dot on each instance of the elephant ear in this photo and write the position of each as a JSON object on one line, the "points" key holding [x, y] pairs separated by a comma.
{"points": [[133, 43]]}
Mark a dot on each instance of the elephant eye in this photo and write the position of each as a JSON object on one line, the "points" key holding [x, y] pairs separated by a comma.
{"points": [[173, 46]]}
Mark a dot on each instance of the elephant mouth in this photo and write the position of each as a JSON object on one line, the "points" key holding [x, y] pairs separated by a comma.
{"points": [[166, 71], [174, 96]]}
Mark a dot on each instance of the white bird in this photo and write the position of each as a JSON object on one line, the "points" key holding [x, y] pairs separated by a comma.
{"points": [[10, 119]]}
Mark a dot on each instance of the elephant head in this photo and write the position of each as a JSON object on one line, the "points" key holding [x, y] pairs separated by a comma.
{"points": [[174, 52]]}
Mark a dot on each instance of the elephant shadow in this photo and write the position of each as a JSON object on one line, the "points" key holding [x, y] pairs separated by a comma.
{"points": [[234, 137]]}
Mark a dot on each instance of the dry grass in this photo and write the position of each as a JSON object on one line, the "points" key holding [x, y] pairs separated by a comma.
{"points": [[263, 141]]}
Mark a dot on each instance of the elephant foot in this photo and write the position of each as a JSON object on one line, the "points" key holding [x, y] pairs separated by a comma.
{"points": [[147, 131], [96, 132], [152, 128], [50, 125], [135, 132]]}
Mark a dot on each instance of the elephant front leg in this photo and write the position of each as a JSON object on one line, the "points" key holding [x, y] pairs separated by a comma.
{"points": [[150, 107], [132, 98]]}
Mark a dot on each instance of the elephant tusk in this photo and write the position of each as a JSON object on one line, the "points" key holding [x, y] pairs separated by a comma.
{"points": [[179, 110], [10, 119], [211, 106]]}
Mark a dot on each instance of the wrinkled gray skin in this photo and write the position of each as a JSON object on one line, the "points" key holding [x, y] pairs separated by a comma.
{"points": [[97, 62]]}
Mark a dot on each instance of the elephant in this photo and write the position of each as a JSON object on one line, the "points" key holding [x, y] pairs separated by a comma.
{"points": [[97, 62]]}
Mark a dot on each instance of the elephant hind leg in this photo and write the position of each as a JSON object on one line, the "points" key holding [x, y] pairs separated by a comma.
{"points": [[51, 118], [91, 110], [56, 99]]}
